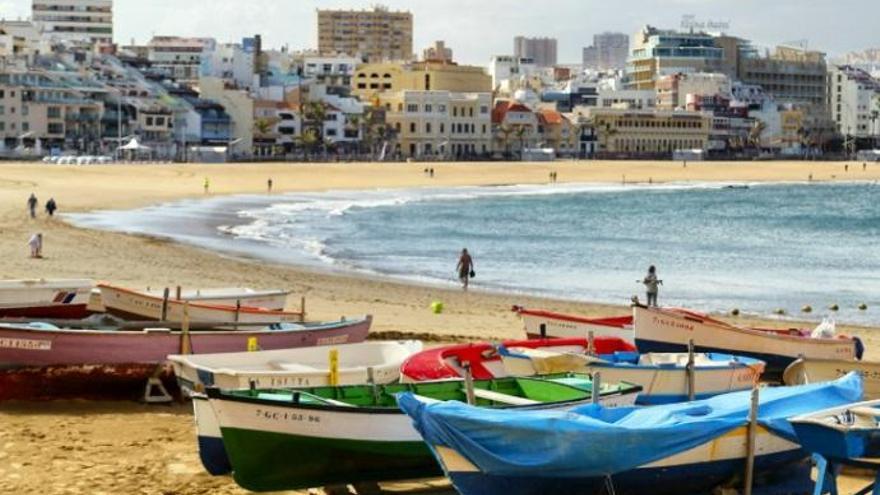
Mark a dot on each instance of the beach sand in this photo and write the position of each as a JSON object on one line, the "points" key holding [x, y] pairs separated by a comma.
{"points": [[82, 447]]}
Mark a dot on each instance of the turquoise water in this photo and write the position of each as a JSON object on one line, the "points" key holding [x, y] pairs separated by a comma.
{"points": [[716, 248]]}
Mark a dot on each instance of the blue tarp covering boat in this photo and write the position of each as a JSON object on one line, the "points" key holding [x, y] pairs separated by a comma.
{"points": [[593, 442]]}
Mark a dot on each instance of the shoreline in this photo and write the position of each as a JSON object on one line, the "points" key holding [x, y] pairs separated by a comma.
{"points": [[73, 446]]}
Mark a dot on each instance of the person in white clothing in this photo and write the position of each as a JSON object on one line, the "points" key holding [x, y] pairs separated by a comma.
{"points": [[36, 245]]}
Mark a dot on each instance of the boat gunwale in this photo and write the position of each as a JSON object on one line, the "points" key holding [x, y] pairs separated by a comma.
{"points": [[199, 305]]}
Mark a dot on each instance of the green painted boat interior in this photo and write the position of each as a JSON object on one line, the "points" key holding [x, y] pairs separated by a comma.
{"points": [[552, 388]]}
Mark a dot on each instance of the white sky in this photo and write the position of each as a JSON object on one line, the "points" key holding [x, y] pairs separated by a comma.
{"points": [[478, 29]]}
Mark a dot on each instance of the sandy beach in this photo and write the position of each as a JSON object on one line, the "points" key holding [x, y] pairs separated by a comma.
{"points": [[80, 447]]}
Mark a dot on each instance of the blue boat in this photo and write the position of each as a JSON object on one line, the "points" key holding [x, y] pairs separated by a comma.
{"points": [[847, 435], [674, 448], [663, 377]]}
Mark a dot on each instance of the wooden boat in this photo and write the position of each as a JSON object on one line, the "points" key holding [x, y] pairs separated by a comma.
{"points": [[812, 370], [135, 305], [666, 449], [442, 363], [301, 438], [232, 296], [848, 434], [308, 367], [44, 298], [663, 377], [299, 367], [46, 362], [548, 324], [670, 330]]}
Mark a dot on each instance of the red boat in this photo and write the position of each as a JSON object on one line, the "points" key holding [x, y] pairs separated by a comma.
{"points": [[548, 324], [443, 363]]}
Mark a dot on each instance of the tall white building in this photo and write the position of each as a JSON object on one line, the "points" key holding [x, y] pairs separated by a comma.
{"points": [[541, 50], [75, 20], [608, 52], [853, 99]]}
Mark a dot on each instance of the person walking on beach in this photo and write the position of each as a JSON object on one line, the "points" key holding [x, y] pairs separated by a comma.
{"points": [[51, 207], [652, 285], [431, 172], [269, 185], [465, 268], [32, 205], [36, 245], [207, 185]]}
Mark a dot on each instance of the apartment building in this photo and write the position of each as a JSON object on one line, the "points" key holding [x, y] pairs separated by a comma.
{"points": [[179, 58], [372, 35], [516, 127], [506, 67], [853, 98], [790, 75], [542, 50], [75, 20], [439, 123], [438, 53], [20, 40], [371, 79], [650, 133], [558, 132], [673, 90], [37, 110], [609, 51], [334, 71]]}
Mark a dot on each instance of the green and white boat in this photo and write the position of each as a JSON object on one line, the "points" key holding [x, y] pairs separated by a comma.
{"points": [[303, 438]]}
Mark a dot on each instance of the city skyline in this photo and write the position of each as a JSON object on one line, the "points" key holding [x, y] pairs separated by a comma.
{"points": [[463, 25]]}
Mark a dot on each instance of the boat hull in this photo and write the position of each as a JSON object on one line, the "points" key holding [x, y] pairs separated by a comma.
{"points": [[659, 330], [804, 371], [693, 471], [660, 384], [34, 359], [65, 299], [106, 381], [547, 324], [273, 448], [133, 305]]}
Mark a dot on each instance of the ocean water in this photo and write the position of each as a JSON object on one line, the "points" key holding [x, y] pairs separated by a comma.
{"points": [[716, 247]]}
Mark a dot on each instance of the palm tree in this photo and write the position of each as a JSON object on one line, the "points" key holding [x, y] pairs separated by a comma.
{"points": [[314, 115], [262, 126], [504, 132], [756, 132], [521, 135], [307, 140]]}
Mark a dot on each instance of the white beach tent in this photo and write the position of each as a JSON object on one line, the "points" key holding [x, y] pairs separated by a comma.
{"points": [[134, 145]]}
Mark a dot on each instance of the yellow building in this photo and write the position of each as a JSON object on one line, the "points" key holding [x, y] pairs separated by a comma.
{"points": [[439, 123], [559, 133], [373, 35], [650, 132], [371, 79]]}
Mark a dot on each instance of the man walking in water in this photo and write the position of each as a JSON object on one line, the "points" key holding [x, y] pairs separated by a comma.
{"points": [[465, 268], [652, 284]]}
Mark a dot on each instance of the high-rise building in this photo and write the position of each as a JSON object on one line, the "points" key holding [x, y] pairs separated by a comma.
{"points": [[373, 35], [437, 53], [852, 99], [790, 75], [541, 50], [656, 53], [608, 52], [79, 20]]}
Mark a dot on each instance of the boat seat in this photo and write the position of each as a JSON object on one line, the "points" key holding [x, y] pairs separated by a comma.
{"points": [[503, 398]]}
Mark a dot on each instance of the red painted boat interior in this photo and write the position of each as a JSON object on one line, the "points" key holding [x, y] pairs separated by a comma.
{"points": [[432, 364]]}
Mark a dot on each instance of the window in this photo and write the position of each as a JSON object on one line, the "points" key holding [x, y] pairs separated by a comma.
{"points": [[56, 128], [386, 85], [429, 108], [455, 111], [484, 109], [331, 132], [2, 93], [2, 126], [149, 120], [441, 108], [2, 110], [471, 112], [442, 127], [160, 120], [412, 108], [428, 127], [362, 85], [25, 126], [412, 127]]}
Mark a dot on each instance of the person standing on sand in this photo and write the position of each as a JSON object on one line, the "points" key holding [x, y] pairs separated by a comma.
{"points": [[36, 245], [51, 207], [465, 268], [652, 285], [207, 185], [32, 205], [269, 185]]}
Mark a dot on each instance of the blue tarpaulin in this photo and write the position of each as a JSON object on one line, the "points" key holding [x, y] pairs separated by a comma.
{"points": [[596, 441]]}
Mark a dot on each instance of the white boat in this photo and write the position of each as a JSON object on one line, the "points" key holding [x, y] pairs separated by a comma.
{"points": [[300, 367], [663, 377], [232, 296], [45, 298], [812, 370], [135, 305], [548, 324], [303, 367], [670, 330]]}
